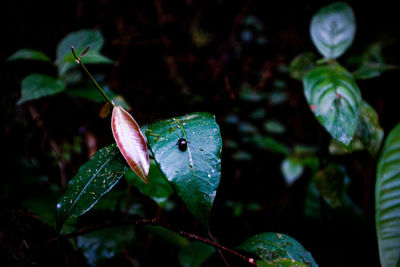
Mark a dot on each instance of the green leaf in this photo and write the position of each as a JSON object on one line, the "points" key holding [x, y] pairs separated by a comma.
{"points": [[387, 199], [29, 54], [95, 178], [372, 69], [158, 188], [369, 134], [80, 40], [195, 254], [332, 29], [36, 86], [105, 244], [271, 144], [195, 172], [291, 169], [369, 131], [312, 205], [331, 183], [302, 64], [272, 246], [335, 99], [166, 234], [92, 57], [281, 263]]}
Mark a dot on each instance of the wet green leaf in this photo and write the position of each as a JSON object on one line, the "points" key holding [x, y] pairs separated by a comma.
{"points": [[302, 64], [94, 179], [335, 99], [105, 244], [387, 199], [29, 54], [281, 263], [195, 254], [291, 169], [36, 86], [272, 246], [193, 172], [158, 188], [332, 29]]}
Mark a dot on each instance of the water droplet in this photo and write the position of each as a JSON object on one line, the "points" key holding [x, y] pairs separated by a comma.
{"points": [[209, 175]]}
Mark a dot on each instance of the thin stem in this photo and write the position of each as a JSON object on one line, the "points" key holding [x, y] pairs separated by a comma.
{"points": [[79, 61], [156, 222]]}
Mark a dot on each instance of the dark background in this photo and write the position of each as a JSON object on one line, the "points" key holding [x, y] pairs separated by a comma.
{"points": [[162, 72]]}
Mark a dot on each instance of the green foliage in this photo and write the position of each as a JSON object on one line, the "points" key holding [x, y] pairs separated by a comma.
{"points": [[333, 29], [158, 188], [195, 172], [36, 86], [273, 246], [105, 243], [95, 178], [335, 99], [195, 254], [302, 64], [29, 54], [282, 262], [387, 200], [291, 169]]}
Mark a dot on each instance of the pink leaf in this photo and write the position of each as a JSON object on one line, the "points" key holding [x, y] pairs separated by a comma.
{"points": [[130, 142]]}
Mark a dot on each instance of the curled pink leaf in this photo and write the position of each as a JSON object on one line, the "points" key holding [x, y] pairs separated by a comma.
{"points": [[130, 142]]}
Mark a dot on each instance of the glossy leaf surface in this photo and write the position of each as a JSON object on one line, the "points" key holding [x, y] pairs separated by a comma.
{"points": [[130, 142], [272, 246], [158, 188], [195, 172], [29, 54], [105, 243], [387, 200], [36, 86], [281, 263], [95, 178], [335, 99], [195, 254], [333, 29]]}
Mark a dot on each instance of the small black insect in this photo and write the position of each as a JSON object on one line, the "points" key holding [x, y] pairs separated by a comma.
{"points": [[182, 144]]}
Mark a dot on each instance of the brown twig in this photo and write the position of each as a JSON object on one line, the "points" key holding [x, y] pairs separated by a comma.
{"points": [[155, 222]]}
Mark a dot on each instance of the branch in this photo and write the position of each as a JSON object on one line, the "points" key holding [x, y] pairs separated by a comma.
{"points": [[155, 222]]}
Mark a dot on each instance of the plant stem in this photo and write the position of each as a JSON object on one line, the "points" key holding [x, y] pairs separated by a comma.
{"points": [[155, 222], [79, 61]]}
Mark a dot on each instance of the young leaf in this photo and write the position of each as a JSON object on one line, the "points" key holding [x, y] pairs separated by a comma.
{"points": [[105, 243], [95, 178], [335, 99], [130, 142], [273, 246], [387, 200], [36, 86], [195, 171], [29, 54], [332, 29], [158, 188]]}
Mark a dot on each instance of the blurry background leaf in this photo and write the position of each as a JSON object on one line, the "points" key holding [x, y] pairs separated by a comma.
{"points": [[387, 199], [105, 243], [36, 86], [335, 99], [158, 188], [291, 169], [272, 246], [302, 64], [29, 54], [332, 29], [195, 254], [312, 205], [371, 70], [332, 182]]}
